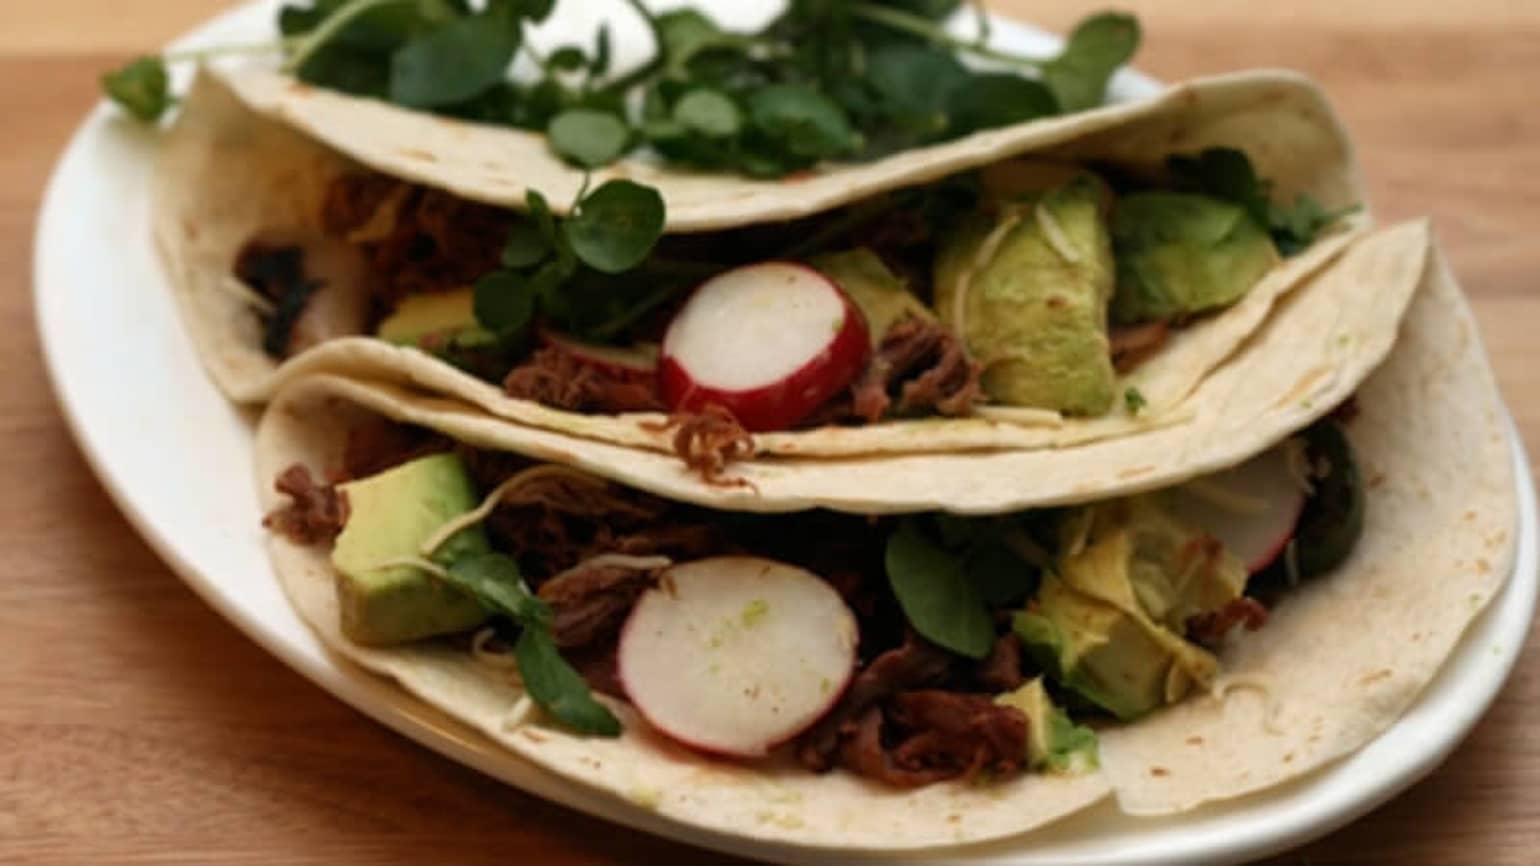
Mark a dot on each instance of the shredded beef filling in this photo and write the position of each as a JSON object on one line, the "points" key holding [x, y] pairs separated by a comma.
{"points": [[589, 602], [930, 735], [1000, 671], [921, 364], [418, 239], [1210, 629], [1132, 345], [555, 377], [912, 664], [315, 513]]}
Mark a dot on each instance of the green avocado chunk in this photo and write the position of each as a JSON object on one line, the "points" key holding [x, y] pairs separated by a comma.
{"points": [[1135, 554], [881, 296], [1109, 623], [1180, 254], [1118, 660], [434, 321], [390, 516], [1054, 743], [1028, 292]]}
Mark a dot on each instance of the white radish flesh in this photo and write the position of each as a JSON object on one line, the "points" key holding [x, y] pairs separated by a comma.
{"points": [[1251, 508], [734, 655], [771, 342]]}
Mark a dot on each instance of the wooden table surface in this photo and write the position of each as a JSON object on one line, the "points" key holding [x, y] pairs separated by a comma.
{"points": [[136, 726]]}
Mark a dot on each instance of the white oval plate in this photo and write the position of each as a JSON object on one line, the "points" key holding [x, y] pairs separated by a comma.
{"points": [[177, 460]]}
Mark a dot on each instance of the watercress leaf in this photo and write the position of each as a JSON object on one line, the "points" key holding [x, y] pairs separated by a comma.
{"points": [[558, 689], [914, 78], [709, 112], [936, 597], [802, 121], [540, 211], [455, 62], [616, 226], [1224, 173], [140, 88], [494, 578], [998, 99], [1296, 227], [1098, 46], [587, 137], [526, 245], [504, 301], [685, 31], [998, 574], [568, 58]]}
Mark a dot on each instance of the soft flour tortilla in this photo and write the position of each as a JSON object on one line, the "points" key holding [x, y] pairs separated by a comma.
{"points": [[1340, 659], [1299, 365], [234, 164]]}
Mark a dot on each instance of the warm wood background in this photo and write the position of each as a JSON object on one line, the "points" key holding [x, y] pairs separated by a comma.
{"points": [[138, 727]]}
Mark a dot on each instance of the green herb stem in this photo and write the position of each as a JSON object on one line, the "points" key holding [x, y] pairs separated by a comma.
{"points": [[631, 79], [313, 41], [915, 25]]}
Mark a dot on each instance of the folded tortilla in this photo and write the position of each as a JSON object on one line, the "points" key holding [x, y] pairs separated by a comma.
{"points": [[1341, 658], [253, 150]]}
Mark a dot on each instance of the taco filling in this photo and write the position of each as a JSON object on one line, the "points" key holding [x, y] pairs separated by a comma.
{"points": [[904, 649], [1026, 287]]}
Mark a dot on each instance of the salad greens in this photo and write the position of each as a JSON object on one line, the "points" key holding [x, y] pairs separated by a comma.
{"points": [[1226, 173], [494, 578], [826, 79]]}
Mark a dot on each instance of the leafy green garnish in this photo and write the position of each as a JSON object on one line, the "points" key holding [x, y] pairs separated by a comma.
{"points": [[494, 578], [1098, 46], [1227, 173], [1134, 401], [140, 88], [454, 62], [616, 226], [936, 598], [588, 137], [827, 79]]}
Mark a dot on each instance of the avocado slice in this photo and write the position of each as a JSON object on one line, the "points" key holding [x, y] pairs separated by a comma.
{"points": [[1054, 742], [881, 296], [390, 515], [1180, 254], [1135, 554], [434, 320], [1118, 660], [1028, 292]]}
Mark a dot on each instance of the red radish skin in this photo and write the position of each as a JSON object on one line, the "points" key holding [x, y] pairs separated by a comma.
{"points": [[770, 342], [1256, 537], [736, 655], [622, 361]]}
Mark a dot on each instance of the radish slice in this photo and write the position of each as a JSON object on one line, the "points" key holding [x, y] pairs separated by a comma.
{"points": [[771, 342], [736, 654], [1251, 508], [612, 359]]}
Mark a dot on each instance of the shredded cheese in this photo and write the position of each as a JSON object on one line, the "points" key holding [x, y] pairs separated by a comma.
{"points": [[248, 295], [620, 560], [480, 512], [981, 259], [1054, 234]]}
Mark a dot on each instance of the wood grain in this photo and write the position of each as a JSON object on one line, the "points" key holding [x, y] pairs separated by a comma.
{"points": [[138, 727]]}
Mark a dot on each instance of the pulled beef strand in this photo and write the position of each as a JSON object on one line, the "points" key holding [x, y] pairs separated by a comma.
{"points": [[378, 445], [940, 735], [589, 602], [912, 664], [1210, 629], [921, 363], [708, 440], [315, 513], [555, 377], [1000, 671]]}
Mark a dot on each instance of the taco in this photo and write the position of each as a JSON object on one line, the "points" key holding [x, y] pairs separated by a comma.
{"points": [[865, 679], [1032, 286]]}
